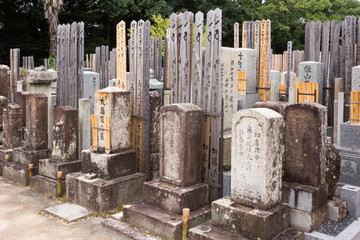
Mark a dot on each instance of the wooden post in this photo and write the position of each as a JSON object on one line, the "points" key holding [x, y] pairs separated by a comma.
{"points": [[59, 182], [31, 170], [185, 229]]}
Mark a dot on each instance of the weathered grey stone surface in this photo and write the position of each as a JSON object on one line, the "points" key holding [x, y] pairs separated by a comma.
{"points": [[306, 221], [349, 136], [99, 195], [351, 194], [5, 81], [109, 166], [68, 211], [312, 72], [278, 107], [174, 198], [84, 124], [91, 84], [274, 88], [3, 104], [46, 186], [65, 133], [350, 167], [333, 163], [248, 100], [247, 221], [355, 83], [155, 103], [36, 121], [257, 155], [113, 102], [305, 144], [50, 167], [26, 156], [180, 144], [337, 210], [247, 62], [13, 126], [17, 173]]}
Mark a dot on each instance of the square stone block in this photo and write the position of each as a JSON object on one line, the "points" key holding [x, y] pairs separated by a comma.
{"points": [[4, 152], [306, 221], [350, 167], [248, 100], [50, 167], [109, 166], [26, 156], [46, 186], [349, 136], [162, 223], [304, 197], [174, 198], [351, 194], [248, 221], [337, 210], [100, 195], [17, 173]]}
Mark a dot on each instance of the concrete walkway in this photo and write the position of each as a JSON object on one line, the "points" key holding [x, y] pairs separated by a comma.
{"points": [[20, 218]]}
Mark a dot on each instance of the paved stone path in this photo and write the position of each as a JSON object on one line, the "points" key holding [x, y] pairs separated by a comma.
{"points": [[20, 218]]}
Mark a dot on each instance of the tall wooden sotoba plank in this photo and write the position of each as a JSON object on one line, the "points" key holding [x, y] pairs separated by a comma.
{"points": [[268, 59], [349, 52], [358, 43], [165, 63], [64, 66], [243, 42], [139, 68], [67, 66], [145, 112], [236, 35], [248, 35], [173, 58], [107, 64], [155, 58], [98, 59], [160, 62], [180, 20], [80, 72], [334, 51], [307, 41], [288, 68], [198, 52], [59, 63], [317, 40], [72, 65], [257, 49], [152, 64], [185, 58], [121, 56], [263, 54], [132, 87], [168, 82]]}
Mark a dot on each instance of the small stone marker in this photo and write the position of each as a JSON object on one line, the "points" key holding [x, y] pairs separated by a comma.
{"points": [[312, 72], [355, 83], [305, 144], [257, 156], [274, 89], [247, 62], [180, 148], [12, 126]]}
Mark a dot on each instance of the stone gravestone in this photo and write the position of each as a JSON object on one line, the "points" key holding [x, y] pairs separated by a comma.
{"points": [[36, 141], [253, 210], [5, 81], [64, 152], [180, 176], [91, 84], [305, 164], [109, 179], [274, 87], [312, 72]]}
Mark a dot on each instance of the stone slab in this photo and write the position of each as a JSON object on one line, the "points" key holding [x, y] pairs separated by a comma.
{"points": [[318, 236], [160, 222], [99, 195], [355, 79], [247, 62], [248, 221], [27, 156], [248, 100], [91, 84], [127, 230], [351, 194], [109, 166], [174, 198], [350, 167], [278, 107], [227, 151], [46, 186], [50, 167], [333, 164], [306, 221], [337, 210], [206, 231], [17, 173], [68, 211], [349, 136], [154, 165], [226, 183], [304, 197], [352, 232]]}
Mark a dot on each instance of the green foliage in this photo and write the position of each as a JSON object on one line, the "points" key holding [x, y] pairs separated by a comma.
{"points": [[159, 27], [52, 62]]}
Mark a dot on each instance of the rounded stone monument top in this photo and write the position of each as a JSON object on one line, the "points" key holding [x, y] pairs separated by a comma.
{"points": [[257, 112], [4, 101], [112, 89], [180, 107], [4, 67], [40, 76]]}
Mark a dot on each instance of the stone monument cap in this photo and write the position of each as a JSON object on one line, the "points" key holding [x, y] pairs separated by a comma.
{"points": [[40, 76]]}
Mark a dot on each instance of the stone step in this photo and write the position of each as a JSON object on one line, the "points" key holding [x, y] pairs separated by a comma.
{"points": [[17, 173], [162, 223], [100, 195], [206, 231], [45, 185]]}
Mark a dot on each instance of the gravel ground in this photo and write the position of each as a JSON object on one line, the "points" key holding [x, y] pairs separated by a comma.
{"points": [[333, 228]]}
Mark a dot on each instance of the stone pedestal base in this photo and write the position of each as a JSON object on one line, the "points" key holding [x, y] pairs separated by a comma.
{"points": [[206, 231], [4, 152], [247, 221], [46, 186], [350, 167], [162, 223], [50, 167], [100, 195], [248, 100], [18, 173], [306, 221], [174, 198], [304, 197], [27, 156], [109, 166]]}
